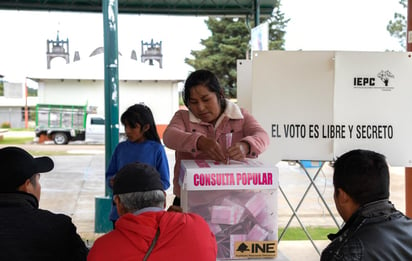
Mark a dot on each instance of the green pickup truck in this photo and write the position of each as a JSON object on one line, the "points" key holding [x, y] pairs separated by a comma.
{"points": [[65, 123]]}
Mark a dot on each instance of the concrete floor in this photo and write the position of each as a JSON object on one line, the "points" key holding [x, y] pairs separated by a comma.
{"points": [[78, 179]]}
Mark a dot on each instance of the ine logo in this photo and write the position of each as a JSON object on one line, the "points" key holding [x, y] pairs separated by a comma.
{"points": [[373, 83], [255, 248], [243, 247]]}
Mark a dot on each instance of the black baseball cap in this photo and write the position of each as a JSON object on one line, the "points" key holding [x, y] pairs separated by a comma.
{"points": [[136, 177], [17, 165]]}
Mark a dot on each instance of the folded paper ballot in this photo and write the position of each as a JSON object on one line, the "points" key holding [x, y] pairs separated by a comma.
{"points": [[256, 204], [227, 215]]}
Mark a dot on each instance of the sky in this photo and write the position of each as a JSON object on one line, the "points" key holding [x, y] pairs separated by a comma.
{"points": [[353, 25]]}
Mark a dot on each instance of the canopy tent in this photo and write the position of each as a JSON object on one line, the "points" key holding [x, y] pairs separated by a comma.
{"points": [[167, 7], [174, 7]]}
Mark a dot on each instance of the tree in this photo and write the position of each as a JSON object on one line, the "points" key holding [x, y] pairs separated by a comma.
{"points": [[397, 26], [230, 41], [277, 28]]}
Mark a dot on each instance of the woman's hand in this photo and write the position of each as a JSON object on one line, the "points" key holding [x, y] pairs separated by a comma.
{"points": [[212, 148], [238, 151]]}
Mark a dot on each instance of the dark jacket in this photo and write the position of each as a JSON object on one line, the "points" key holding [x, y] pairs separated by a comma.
{"points": [[376, 231], [29, 233]]}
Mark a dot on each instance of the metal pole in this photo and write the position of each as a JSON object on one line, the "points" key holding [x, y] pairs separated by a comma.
{"points": [[26, 113], [102, 224], [111, 78], [408, 170], [257, 13]]}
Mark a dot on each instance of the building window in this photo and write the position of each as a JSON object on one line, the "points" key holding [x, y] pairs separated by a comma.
{"points": [[97, 121], [31, 113], [1, 87], [31, 92]]}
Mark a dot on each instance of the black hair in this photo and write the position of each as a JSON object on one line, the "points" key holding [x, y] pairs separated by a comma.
{"points": [[205, 78], [363, 175], [142, 115]]}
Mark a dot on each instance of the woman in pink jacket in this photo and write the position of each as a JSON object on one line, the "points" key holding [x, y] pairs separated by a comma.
{"points": [[213, 127]]}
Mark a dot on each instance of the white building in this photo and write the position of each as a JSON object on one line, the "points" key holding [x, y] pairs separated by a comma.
{"points": [[13, 102], [82, 82]]}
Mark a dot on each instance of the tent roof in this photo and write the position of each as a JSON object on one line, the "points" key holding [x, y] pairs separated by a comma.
{"points": [[169, 7]]}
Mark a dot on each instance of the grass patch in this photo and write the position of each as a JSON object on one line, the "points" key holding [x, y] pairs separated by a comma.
{"points": [[293, 233], [19, 140], [21, 129], [316, 233], [16, 140]]}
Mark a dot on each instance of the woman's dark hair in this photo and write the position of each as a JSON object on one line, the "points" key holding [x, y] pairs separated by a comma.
{"points": [[205, 78], [142, 115], [363, 175]]}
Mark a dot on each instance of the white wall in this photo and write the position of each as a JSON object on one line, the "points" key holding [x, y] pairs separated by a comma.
{"points": [[160, 96]]}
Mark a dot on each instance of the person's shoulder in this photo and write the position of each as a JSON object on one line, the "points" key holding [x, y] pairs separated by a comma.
{"points": [[106, 239], [187, 217], [196, 223], [57, 216], [244, 111], [153, 144], [195, 217], [102, 247], [122, 144], [351, 249], [182, 112], [57, 221]]}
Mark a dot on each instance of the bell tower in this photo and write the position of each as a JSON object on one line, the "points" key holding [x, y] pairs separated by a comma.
{"points": [[152, 51], [57, 48]]}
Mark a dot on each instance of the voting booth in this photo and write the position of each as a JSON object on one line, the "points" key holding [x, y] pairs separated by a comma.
{"points": [[238, 201], [317, 105]]}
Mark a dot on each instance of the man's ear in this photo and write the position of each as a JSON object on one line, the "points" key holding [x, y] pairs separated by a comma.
{"points": [[121, 210], [342, 196], [25, 186], [345, 204]]}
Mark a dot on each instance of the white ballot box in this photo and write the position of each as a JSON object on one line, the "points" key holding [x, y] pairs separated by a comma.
{"points": [[238, 201]]}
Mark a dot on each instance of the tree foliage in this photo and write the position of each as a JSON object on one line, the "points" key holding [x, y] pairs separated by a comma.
{"points": [[277, 28], [230, 41], [397, 26]]}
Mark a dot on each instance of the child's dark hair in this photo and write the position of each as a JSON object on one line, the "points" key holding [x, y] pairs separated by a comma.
{"points": [[142, 115]]}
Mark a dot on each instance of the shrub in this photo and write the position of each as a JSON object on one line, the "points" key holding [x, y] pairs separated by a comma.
{"points": [[6, 125]]}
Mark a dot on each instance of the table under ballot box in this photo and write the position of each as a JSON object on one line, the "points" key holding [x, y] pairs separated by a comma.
{"points": [[238, 201]]}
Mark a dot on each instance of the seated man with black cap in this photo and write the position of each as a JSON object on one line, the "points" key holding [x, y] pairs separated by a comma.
{"points": [[27, 232], [145, 228]]}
